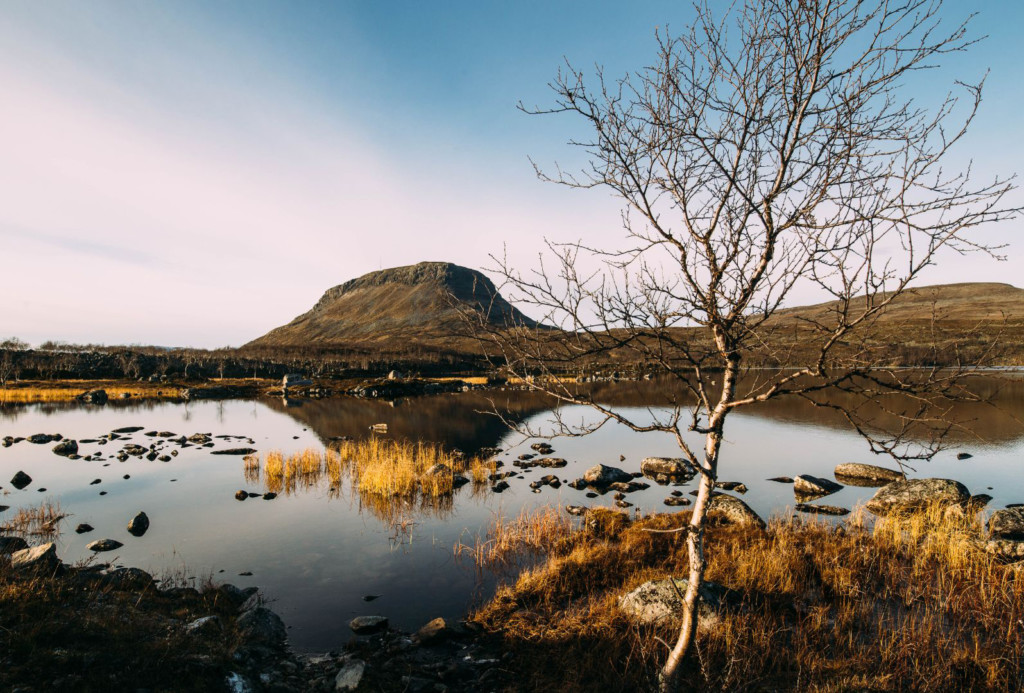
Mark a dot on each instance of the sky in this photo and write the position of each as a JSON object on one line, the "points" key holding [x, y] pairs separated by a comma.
{"points": [[196, 173]]}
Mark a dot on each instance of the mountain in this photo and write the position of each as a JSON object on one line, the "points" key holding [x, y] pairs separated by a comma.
{"points": [[965, 304], [426, 302]]}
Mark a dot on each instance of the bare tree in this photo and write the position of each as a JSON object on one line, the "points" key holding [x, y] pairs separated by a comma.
{"points": [[765, 151]]}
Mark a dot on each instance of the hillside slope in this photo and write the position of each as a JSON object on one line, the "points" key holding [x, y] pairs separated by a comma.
{"points": [[422, 303]]}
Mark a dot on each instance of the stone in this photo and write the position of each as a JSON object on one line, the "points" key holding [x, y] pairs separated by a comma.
{"points": [[659, 601], [104, 545], [295, 380], [821, 509], [731, 510], [12, 544], [500, 486], [964, 455], [911, 495], [1007, 524], [43, 557], [603, 475], [43, 438], [669, 466], [807, 485], [434, 632], [576, 510], [363, 625], [270, 495], [127, 429], [396, 375], [782, 479], [234, 451], [1008, 550], [66, 447], [139, 524], [93, 397], [128, 578], [261, 626], [350, 676], [20, 480], [736, 486], [83, 528], [207, 625], [978, 501], [241, 495], [676, 501], [855, 471]]}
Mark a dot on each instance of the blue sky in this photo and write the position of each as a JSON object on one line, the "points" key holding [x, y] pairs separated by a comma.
{"points": [[196, 173]]}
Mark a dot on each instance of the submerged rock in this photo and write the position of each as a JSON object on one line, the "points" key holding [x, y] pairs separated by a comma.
{"points": [[66, 447], [822, 509], [917, 494], [234, 451], [83, 528], [362, 625]]}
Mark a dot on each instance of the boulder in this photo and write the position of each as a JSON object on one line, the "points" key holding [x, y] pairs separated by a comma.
{"points": [[731, 510], [807, 485], [20, 480], [42, 557], [910, 495], [93, 397], [66, 447], [667, 466], [603, 475], [1007, 524], [434, 632], [43, 438], [1008, 550], [128, 578], [295, 380], [362, 625], [676, 501], [261, 626], [395, 375], [350, 676], [104, 545], [659, 601], [207, 625], [866, 474], [139, 524]]}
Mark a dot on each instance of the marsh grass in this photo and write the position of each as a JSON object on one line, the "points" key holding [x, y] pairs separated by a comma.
{"points": [[42, 520], [67, 391], [896, 604]]}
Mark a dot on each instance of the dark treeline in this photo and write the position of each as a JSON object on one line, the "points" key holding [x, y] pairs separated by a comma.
{"points": [[56, 361]]}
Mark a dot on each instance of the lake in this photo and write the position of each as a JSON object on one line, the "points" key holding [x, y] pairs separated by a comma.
{"points": [[319, 550]]}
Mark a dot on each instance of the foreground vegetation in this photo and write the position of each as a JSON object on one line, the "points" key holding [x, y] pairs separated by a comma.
{"points": [[897, 604]]}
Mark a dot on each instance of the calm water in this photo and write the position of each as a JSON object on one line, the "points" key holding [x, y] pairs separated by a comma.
{"points": [[318, 552]]}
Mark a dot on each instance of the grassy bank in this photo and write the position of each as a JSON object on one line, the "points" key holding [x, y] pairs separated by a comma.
{"points": [[908, 604]]}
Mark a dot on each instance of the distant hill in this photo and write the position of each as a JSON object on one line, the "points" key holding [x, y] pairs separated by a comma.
{"points": [[980, 302], [423, 303]]}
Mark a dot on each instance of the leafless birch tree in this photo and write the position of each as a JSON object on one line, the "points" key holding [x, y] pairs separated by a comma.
{"points": [[767, 150]]}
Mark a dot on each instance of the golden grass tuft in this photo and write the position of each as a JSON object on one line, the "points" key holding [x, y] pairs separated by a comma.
{"points": [[42, 520]]}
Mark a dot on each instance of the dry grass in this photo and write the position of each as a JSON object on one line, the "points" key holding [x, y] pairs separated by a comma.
{"points": [[40, 521], [905, 604], [67, 390]]}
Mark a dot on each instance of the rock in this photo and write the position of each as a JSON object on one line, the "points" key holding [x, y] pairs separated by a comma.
{"points": [[104, 545], [658, 601], [83, 528], [433, 633], [782, 479], [964, 455], [236, 683], [731, 510], [1008, 550], [603, 475], [916, 494], [128, 429], [20, 480], [66, 447], [1007, 524], [379, 428], [807, 485], [139, 524], [350, 676], [43, 557], [241, 495], [576, 510], [43, 438], [363, 625], [269, 495], [234, 451], [261, 626], [676, 501], [668, 466], [295, 380], [731, 486], [500, 486], [93, 397], [128, 578], [396, 375], [822, 509], [12, 544], [207, 625], [978, 501], [853, 471]]}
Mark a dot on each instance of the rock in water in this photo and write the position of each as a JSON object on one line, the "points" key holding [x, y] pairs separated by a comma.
{"points": [[363, 625], [262, 626], [910, 495], [603, 475], [20, 480], [807, 485], [66, 447], [669, 466], [867, 472], [104, 545], [821, 509], [139, 524]]}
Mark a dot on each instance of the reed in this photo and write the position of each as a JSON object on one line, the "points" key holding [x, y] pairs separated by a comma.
{"points": [[42, 520]]}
